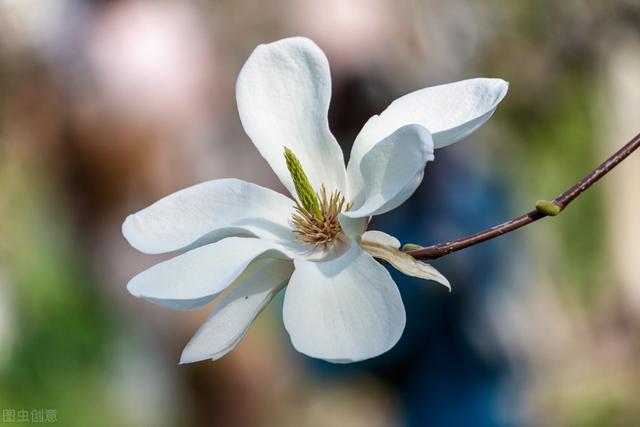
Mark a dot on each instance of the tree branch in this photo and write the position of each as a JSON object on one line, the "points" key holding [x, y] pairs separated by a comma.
{"points": [[543, 208]]}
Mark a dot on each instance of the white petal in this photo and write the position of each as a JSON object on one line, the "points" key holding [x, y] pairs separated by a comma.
{"points": [[283, 94], [450, 112], [353, 227], [230, 320], [208, 212], [195, 278], [344, 310], [390, 172]]}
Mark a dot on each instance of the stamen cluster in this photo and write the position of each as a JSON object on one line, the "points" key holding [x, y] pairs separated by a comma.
{"points": [[320, 230], [316, 218]]}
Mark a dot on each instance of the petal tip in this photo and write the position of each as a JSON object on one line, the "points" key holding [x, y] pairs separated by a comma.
{"points": [[128, 229], [299, 40], [186, 358], [436, 276], [132, 233], [132, 288], [501, 88], [504, 85]]}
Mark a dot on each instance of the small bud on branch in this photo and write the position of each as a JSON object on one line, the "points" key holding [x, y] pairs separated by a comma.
{"points": [[548, 207]]}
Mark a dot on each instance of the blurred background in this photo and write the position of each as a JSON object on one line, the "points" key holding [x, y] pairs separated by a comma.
{"points": [[106, 106]]}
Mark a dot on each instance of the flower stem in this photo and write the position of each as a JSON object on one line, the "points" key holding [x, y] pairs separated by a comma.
{"points": [[543, 208]]}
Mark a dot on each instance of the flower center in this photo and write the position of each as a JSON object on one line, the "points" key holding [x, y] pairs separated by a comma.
{"points": [[323, 230], [316, 217]]}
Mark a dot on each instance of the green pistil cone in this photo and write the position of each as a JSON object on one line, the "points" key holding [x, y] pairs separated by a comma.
{"points": [[307, 196]]}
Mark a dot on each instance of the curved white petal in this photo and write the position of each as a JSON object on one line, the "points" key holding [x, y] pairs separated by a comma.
{"points": [[195, 278], [283, 94], [390, 172], [344, 310], [353, 227], [207, 212], [230, 320], [450, 112]]}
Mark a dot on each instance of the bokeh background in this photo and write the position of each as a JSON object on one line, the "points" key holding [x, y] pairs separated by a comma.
{"points": [[105, 106]]}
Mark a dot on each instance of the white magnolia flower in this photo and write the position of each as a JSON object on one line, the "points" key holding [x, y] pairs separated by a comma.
{"points": [[340, 303]]}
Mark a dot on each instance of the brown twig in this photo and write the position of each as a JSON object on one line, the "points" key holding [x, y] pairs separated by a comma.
{"points": [[543, 208]]}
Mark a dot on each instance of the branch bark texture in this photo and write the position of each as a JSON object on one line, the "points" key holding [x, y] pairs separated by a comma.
{"points": [[543, 208]]}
